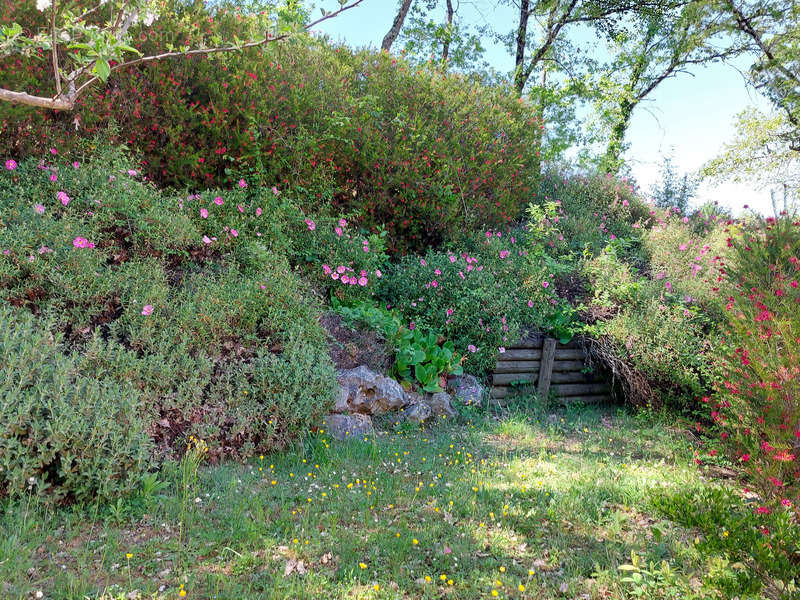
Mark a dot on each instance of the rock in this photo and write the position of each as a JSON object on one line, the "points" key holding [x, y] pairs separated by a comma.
{"points": [[466, 389], [348, 427], [364, 391], [418, 413], [440, 405]]}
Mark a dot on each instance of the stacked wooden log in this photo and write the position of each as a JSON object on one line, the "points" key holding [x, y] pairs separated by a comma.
{"points": [[547, 366]]}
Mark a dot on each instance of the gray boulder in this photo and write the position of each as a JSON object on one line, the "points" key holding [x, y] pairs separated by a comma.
{"points": [[466, 389], [440, 405], [418, 413], [364, 391], [348, 427]]}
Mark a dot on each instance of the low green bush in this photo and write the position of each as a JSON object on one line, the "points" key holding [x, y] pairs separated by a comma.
{"points": [[756, 406], [63, 433], [186, 308], [474, 299], [421, 356]]}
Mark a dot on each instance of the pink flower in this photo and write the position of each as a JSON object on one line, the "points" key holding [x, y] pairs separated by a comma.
{"points": [[243, 184], [362, 281], [326, 269], [53, 177], [378, 273], [274, 189], [682, 247], [11, 164], [204, 213], [452, 259], [668, 285], [504, 253], [39, 209], [234, 233], [147, 309], [240, 207], [132, 173], [258, 212], [763, 510], [545, 284], [53, 151], [449, 311], [338, 231], [206, 239], [342, 223], [76, 164], [218, 201], [422, 262], [411, 325], [472, 348], [625, 203], [345, 279], [334, 276], [63, 198], [341, 269], [530, 303], [501, 350], [80, 242], [311, 225]]}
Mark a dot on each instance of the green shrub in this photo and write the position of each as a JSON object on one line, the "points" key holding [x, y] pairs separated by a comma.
{"points": [[189, 304], [474, 299], [62, 433], [757, 404], [593, 210], [421, 152], [421, 356]]}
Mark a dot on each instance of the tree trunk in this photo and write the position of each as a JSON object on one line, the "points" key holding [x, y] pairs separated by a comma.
{"points": [[522, 34], [397, 25], [616, 143], [539, 137], [448, 25]]}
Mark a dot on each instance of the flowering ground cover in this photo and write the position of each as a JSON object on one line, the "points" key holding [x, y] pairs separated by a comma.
{"points": [[589, 503]]}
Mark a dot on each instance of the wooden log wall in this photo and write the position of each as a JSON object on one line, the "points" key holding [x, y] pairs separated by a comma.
{"points": [[546, 366]]}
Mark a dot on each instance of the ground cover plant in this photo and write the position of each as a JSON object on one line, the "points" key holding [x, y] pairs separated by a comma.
{"points": [[178, 311], [584, 503]]}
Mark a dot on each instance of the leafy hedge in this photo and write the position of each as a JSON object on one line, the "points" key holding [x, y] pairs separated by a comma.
{"points": [[198, 327], [422, 153]]}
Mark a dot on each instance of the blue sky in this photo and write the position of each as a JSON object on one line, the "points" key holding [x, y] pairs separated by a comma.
{"points": [[691, 116]]}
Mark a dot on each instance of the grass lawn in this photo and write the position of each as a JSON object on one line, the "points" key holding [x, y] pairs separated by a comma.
{"points": [[543, 504]]}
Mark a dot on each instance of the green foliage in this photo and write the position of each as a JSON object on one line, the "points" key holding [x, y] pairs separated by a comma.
{"points": [[472, 298], [673, 190], [182, 306], [62, 433], [422, 154], [592, 210], [754, 543], [421, 356], [756, 407]]}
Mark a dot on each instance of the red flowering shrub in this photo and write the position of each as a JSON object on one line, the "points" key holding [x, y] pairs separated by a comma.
{"points": [[757, 405], [418, 151]]}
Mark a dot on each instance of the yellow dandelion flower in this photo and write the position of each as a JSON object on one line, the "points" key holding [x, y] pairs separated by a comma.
{"points": [[502, 569], [129, 555], [376, 587], [362, 565], [521, 587], [415, 541]]}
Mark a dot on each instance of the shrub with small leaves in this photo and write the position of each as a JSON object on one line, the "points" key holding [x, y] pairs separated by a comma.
{"points": [[64, 434]]}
